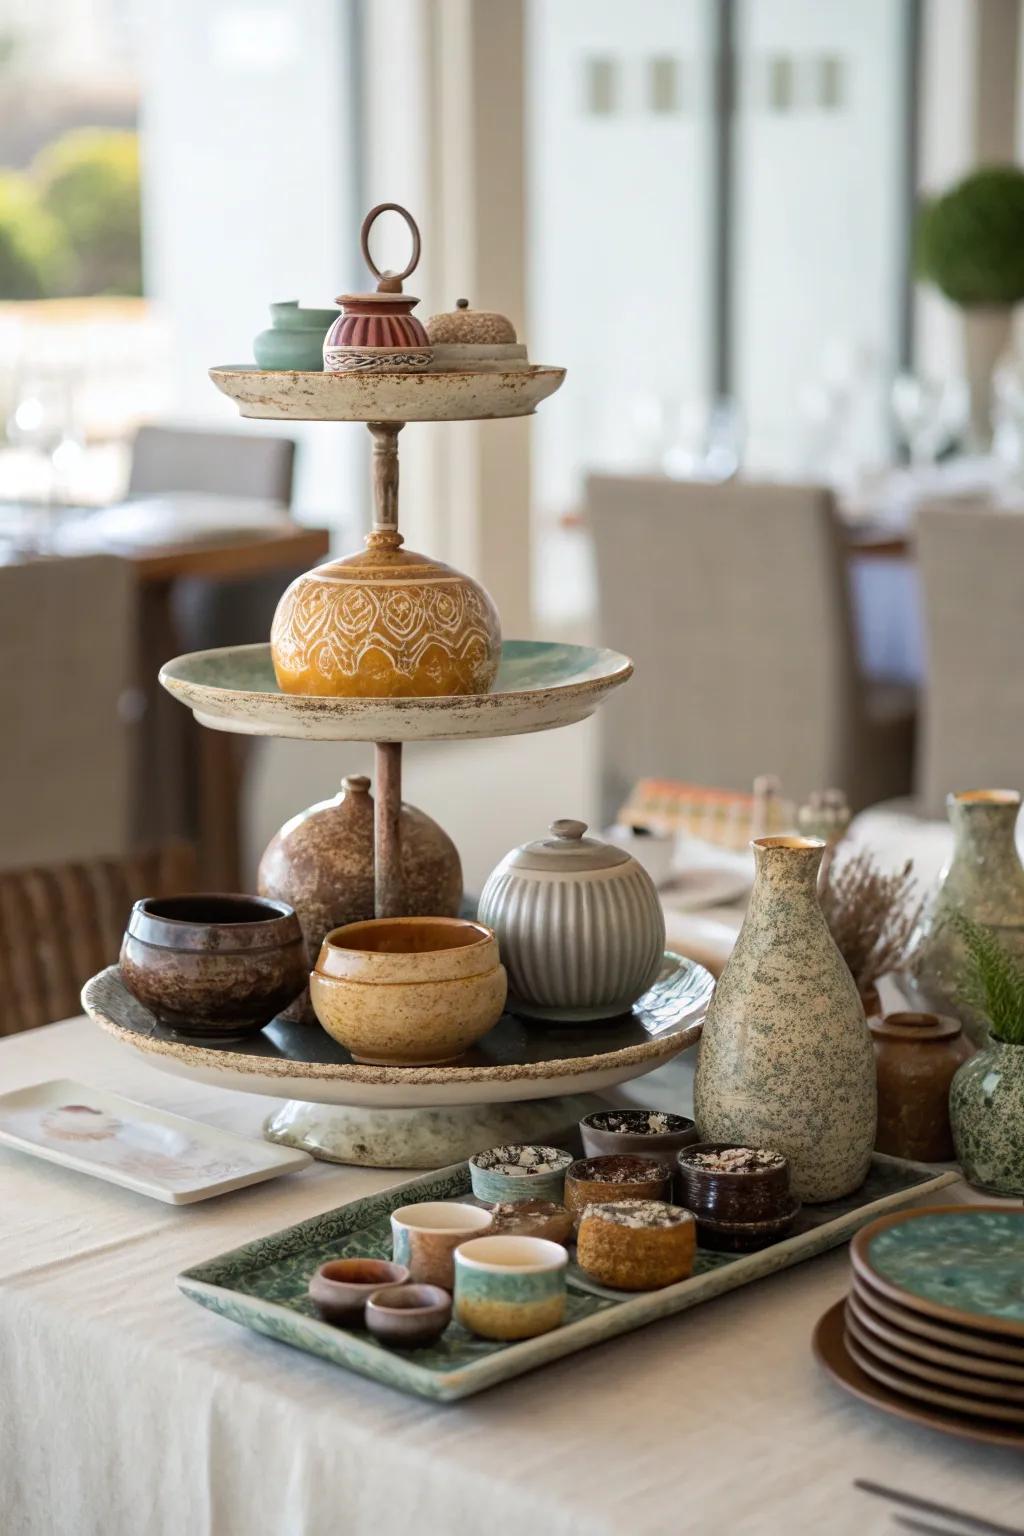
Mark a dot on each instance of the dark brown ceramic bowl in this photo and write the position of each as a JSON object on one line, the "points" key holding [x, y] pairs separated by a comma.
{"points": [[601, 1180], [341, 1288], [643, 1132], [214, 967], [407, 1316], [758, 1192]]}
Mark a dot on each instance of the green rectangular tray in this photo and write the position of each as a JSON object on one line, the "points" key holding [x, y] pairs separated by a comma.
{"points": [[263, 1285]]}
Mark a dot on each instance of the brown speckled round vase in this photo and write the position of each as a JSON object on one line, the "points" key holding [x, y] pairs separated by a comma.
{"points": [[785, 1057], [321, 862], [985, 881]]}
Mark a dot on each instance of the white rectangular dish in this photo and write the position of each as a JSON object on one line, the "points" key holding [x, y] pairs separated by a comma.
{"points": [[155, 1153]]}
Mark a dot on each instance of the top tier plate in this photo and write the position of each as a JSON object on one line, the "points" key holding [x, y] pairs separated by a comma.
{"points": [[539, 687], [286, 396]]}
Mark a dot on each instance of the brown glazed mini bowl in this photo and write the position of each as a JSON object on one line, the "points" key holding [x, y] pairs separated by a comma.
{"points": [[213, 968], [341, 1288], [407, 1316], [755, 1189], [602, 1180]]}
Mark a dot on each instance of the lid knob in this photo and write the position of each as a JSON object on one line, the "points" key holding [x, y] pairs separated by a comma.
{"points": [[355, 784], [568, 831], [461, 303]]}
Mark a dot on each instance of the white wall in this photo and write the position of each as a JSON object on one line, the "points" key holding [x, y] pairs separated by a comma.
{"points": [[248, 175]]}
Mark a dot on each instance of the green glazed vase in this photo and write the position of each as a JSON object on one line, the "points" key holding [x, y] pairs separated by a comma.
{"points": [[986, 1110], [295, 340], [786, 1060], [985, 881]]}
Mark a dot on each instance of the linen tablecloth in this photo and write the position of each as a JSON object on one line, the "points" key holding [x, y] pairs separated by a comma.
{"points": [[127, 1410]]}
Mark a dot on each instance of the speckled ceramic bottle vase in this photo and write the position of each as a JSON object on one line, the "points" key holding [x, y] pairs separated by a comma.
{"points": [[785, 1057], [985, 881]]}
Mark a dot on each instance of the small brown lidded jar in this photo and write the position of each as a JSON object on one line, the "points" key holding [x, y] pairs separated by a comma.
{"points": [[916, 1056], [603, 1180]]}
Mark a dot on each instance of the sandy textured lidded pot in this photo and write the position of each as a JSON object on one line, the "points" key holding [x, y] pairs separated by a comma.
{"points": [[510, 1287], [579, 924], [322, 863], [213, 967], [408, 991], [385, 623], [986, 1109], [637, 1245], [474, 339], [984, 881], [785, 1059], [916, 1058]]}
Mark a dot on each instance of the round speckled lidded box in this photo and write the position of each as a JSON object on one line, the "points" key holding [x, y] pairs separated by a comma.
{"points": [[510, 1287], [519, 1171], [637, 1245]]}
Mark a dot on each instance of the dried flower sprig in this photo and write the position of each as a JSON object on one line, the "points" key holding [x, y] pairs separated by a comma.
{"points": [[872, 916], [992, 981]]}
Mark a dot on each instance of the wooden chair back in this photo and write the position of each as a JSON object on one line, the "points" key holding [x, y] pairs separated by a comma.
{"points": [[60, 924]]}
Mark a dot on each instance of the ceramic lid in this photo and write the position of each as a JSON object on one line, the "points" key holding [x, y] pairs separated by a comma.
{"points": [[471, 327], [568, 851]]}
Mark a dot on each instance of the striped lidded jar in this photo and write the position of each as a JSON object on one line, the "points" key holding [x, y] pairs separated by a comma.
{"points": [[580, 928]]}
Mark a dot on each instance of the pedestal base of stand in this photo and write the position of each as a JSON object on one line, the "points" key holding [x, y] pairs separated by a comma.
{"points": [[421, 1138]]}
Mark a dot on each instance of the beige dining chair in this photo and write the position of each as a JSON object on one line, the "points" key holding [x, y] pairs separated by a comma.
{"points": [[68, 650], [732, 601], [243, 464], [971, 563], [61, 924]]}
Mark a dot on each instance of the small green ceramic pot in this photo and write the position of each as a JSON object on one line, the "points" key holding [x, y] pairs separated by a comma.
{"points": [[295, 340], [986, 1111], [510, 1287], [519, 1171]]}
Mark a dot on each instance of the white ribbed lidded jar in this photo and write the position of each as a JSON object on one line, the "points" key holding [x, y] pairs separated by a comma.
{"points": [[579, 925]]}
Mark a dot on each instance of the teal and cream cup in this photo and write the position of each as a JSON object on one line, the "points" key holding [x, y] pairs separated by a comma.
{"points": [[510, 1287]]}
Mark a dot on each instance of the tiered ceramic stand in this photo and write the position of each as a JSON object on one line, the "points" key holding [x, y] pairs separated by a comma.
{"points": [[520, 1083]]}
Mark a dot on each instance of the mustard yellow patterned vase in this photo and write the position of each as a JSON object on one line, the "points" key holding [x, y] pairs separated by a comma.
{"points": [[385, 623]]}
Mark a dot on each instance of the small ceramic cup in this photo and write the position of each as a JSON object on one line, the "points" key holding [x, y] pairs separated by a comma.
{"points": [[510, 1287], [214, 967], [425, 1236], [643, 1132], [341, 1288], [601, 1180], [408, 1316], [408, 991], [728, 1183], [519, 1171]]}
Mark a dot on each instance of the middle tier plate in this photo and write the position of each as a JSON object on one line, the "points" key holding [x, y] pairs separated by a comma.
{"points": [[516, 1061], [539, 687]]}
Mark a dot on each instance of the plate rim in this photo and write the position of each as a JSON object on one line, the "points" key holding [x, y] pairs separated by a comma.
{"points": [[432, 703], [930, 1371], [657, 1050], [829, 1333], [925, 1392], [974, 1342], [979, 1321], [992, 1367]]}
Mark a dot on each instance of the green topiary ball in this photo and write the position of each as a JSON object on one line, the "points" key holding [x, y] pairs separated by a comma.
{"points": [[970, 241]]}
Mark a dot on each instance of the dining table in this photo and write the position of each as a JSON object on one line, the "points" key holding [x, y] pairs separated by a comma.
{"points": [[126, 1407]]}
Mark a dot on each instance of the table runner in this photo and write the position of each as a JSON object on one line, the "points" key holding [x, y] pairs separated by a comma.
{"points": [[125, 1408]]}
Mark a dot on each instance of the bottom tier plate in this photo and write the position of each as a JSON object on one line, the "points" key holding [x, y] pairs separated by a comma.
{"points": [[263, 1285], [516, 1061]]}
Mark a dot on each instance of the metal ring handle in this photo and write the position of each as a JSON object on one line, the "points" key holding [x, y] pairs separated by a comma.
{"points": [[364, 242]]}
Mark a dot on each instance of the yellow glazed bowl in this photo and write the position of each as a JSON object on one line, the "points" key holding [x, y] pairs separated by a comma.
{"points": [[408, 991]]}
